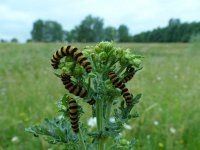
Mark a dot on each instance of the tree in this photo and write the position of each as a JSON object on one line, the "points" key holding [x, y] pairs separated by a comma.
{"points": [[110, 34], [14, 40], [174, 22], [123, 34], [90, 30], [174, 32], [52, 32], [38, 31], [72, 36], [48, 31]]}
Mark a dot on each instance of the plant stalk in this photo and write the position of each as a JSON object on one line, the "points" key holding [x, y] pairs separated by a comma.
{"points": [[100, 125], [82, 143], [108, 111]]}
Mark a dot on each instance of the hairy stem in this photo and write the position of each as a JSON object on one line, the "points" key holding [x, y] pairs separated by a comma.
{"points": [[100, 125], [108, 111], [82, 143]]}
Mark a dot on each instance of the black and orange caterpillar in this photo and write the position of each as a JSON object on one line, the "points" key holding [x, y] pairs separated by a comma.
{"points": [[74, 89], [73, 114], [130, 75], [73, 52], [119, 84]]}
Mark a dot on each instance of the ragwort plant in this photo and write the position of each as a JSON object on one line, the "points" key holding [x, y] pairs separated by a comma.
{"points": [[96, 76]]}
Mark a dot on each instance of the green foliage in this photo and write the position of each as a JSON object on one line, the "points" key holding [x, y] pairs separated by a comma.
{"points": [[93, 26], [174, 32], [123, 34], [47, 31], [54, 130], [89, 30], [104, 58], [170, 96], [14, 40], [174, 22], [195, 38], [110, 34]]}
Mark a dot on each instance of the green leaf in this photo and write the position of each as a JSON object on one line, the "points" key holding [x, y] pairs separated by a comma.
{"points": [[54, 131]]}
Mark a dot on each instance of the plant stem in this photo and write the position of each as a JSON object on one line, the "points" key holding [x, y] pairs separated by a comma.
{"points": [[82, 143], [108, 111], [100, 125]]}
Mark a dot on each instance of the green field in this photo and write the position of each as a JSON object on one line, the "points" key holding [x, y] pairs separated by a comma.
{"points": [[169, 107]]}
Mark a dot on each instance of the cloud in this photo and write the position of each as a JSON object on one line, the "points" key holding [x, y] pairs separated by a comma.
{"points": [[14, 23], [138, 15]]}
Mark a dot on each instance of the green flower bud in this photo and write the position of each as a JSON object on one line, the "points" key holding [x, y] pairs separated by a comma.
{"points": [[92, 75], [64, 69], [136, 62], [103, 56], [105, 46]]}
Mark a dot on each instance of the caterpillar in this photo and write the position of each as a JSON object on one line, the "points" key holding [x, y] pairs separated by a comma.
{"points": [[91, 102], [73, 52], [74, 89], [115, 80], [130, 75], [73, 114], [127, 96], [119, 84]]}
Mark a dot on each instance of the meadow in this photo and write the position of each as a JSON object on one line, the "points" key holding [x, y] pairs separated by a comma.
{"points": [[168, 110]]}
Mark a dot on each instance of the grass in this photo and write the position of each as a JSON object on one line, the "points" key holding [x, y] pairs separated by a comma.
{"points": [[169, 107]]}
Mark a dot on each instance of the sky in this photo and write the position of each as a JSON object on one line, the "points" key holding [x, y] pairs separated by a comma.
{"points": [[17, 16]]}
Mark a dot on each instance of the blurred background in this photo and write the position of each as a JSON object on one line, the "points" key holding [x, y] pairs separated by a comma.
{"points": [[165, 32]]}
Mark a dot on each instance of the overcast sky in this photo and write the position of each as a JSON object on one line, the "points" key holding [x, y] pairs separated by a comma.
{"points": [[17, 16]]}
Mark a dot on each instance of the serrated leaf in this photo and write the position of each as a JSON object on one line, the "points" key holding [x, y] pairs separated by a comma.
{"points": [[54, 130]]}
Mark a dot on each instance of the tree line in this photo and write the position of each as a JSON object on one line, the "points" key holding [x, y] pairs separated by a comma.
{"points": [[175, 31], [91, 29]]}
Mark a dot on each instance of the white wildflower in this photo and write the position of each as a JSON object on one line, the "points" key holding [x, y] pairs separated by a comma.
{"points": [[60, 117], [92, 121], [112, 119], [158, 78], [148, 136], [15, 139], [172, 130], [128, 127], [156, 123]]}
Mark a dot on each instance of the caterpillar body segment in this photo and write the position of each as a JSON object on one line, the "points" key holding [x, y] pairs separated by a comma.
{"points": [[130, 75], [74, 89], [91, 102], [115, 80], [127, 96], [74, 53], [119, 84], [73, 114]]}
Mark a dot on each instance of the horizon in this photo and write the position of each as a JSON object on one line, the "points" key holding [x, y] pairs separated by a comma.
{"points": [[138, 16]]}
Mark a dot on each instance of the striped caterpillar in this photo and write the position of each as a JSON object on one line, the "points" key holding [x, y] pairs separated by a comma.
{"points": [[130, 75], [74, 89], [74, 53], [119, 84], [73, 114]]}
